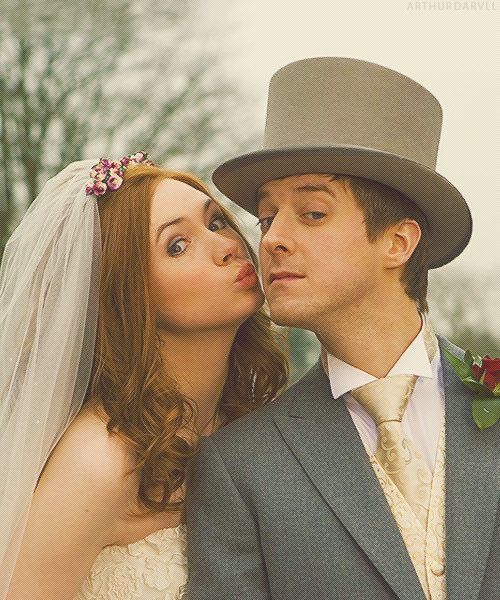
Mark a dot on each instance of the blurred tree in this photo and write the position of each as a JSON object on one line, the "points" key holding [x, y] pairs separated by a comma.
{"points": [[105, 79], [464, 308], [304, 352]]}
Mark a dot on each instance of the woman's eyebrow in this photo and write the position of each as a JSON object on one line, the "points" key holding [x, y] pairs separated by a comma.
{"points": [[179, 220]]}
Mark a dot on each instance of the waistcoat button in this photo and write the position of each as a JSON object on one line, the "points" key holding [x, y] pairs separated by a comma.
{"points": [[437, 568]]}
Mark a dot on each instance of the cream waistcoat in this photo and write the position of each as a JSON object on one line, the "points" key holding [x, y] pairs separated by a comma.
{"points": [[425, 547]]}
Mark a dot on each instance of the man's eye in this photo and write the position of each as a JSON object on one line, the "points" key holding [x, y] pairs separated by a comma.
{"points": [[265, 223], [221, 219], [316, 215], [177, 247]]}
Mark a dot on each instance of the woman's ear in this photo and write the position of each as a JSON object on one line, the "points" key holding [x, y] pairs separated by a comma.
{"points": [[400, 240]]}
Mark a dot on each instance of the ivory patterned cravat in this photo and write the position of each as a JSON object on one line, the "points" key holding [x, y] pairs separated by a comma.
{"points": [[385, 400]]}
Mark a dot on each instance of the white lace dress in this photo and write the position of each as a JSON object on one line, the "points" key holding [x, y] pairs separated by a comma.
{"points": [[154, 568]]}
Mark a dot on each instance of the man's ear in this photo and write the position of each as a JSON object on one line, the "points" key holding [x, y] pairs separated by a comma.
{"points": [[400, 241]]}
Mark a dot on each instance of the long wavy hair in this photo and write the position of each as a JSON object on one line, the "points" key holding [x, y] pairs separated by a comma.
{"points": [[142, 403]]}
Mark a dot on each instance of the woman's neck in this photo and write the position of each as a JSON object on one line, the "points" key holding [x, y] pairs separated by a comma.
{"points": [[198, 363]]}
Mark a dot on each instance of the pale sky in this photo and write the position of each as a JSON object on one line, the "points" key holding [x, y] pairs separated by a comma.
{"points": [[451, 48]]}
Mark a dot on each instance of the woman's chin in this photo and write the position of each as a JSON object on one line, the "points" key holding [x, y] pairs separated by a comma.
{"points": [[257, 300], [249, 303]]}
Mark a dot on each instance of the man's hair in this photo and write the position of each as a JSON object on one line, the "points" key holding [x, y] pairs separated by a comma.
{"points": [[384, 206]]}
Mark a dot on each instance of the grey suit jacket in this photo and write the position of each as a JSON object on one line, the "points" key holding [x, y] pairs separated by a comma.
{"points": [[283, 503]]}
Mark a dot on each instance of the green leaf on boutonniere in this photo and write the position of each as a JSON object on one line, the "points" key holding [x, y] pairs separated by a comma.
{"points": [[485, 406], [463, 369], [477, 359], [472, 359], [486, 411], [476, 386], [468, 358]]}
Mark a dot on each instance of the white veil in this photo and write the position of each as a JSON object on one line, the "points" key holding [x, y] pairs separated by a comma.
{"points": [[49, 293]]}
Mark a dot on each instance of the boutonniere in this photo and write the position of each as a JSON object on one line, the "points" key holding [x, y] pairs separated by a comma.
{"points": [[481, 375]]}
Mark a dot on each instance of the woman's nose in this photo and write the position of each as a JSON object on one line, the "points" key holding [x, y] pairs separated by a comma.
{"points": [[227, 250]]}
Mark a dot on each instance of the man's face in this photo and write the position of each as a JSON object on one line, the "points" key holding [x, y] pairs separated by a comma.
{"points": [[313, 228]]}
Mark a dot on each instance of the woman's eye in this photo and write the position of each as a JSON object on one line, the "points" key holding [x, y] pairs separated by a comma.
{"points": [[316, 215], [177, 247], [265, 223], [220, 219]]}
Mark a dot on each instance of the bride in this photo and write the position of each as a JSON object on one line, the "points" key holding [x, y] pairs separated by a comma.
{"points": [[131, 323]]}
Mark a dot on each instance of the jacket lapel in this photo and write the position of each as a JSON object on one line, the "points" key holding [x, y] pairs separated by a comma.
{"points": [[321, 434], [472, 484]]}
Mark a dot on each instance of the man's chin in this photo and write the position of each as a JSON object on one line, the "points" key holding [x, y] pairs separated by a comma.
{"points": [[289, 315]]}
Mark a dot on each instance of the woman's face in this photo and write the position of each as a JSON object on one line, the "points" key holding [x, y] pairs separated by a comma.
{"points": [[196, 258]]}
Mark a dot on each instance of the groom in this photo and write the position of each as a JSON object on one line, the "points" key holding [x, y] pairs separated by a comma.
{"points": [[340, 488]]}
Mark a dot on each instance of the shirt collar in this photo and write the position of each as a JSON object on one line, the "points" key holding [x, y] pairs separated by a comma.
{"points": [[414, 361]]}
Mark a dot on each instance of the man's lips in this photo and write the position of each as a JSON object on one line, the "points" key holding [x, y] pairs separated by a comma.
{"points": [[284, 275]]}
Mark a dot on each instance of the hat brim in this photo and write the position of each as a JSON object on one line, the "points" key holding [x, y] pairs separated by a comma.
{"points": [[449, 217]]}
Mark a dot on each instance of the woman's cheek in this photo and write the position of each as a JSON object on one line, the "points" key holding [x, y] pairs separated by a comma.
{"points": [[188, 289]]}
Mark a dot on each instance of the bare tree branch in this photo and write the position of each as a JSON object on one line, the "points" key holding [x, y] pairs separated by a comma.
{"points": [[104, 79]]}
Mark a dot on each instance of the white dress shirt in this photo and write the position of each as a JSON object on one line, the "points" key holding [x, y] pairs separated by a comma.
{"points": [[422, 418]]}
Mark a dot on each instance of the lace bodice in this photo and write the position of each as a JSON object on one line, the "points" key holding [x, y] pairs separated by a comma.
{"points": [[154, 568]]}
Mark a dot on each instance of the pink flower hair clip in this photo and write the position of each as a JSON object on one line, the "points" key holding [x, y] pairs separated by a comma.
{"points": [[107, 175]]}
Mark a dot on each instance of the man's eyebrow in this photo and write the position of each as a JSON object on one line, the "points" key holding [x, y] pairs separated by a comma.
{"points": [[315, 188], [261, 194], [179, 220]]}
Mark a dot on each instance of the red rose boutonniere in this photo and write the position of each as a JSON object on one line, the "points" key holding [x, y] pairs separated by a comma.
{"points": [[482, 375]]}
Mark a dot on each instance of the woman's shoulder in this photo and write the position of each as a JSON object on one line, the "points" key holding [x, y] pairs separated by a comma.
{"points": [[106, 450], [94, 454], [76, 508], [110, 458]]}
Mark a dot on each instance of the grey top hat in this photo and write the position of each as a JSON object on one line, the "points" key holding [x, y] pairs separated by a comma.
{"points": [[353, 117]]}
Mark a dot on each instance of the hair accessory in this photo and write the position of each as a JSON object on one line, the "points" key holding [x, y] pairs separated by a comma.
{"points": [[107, 175]]}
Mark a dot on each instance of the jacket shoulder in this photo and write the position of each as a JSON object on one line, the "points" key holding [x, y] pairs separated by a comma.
{"points": [[262, 419], [451, 347]]}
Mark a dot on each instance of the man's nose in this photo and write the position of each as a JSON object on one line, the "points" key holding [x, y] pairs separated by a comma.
{"points": [[278, 238]]}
